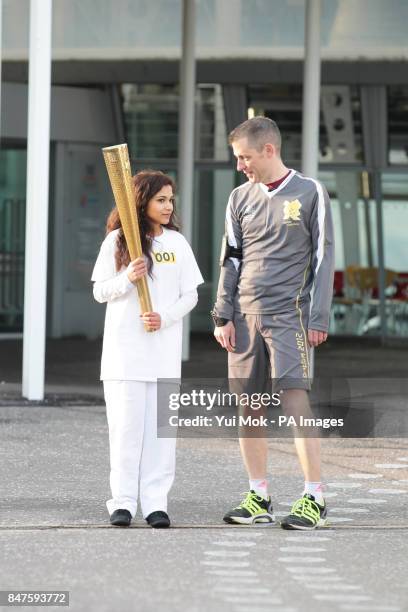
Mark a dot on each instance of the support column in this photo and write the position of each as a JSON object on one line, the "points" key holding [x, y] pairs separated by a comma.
{"points": [[377, 189], [311, 99], [186, 136], [38, 148], [375, 137], [311, 89]]}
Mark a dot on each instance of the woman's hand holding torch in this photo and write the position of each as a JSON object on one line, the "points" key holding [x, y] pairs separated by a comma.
{"points": [[136, 270]]}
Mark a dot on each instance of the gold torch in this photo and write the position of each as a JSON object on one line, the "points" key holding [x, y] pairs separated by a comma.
{"points": [[118, 167]]}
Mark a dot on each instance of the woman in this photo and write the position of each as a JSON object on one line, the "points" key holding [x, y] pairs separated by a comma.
{"points": [[132, 358]]}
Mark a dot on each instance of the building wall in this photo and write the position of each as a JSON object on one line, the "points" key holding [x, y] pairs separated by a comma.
{"points": [[240, 29]]}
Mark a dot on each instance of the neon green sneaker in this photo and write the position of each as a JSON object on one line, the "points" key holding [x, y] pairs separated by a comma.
{"points": [[306, 514], [253, 509]]}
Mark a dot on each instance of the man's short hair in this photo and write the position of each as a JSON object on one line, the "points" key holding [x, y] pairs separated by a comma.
{"points": [[258, 131]]}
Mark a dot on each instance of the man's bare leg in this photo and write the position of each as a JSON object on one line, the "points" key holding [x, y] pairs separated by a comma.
{"points": [[254, 450], [254, 453], [295, 402]]}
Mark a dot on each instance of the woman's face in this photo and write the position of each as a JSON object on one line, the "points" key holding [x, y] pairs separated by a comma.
{"points": [[160, 207]]}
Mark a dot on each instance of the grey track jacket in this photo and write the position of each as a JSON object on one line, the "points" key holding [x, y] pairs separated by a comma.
{"points": [[287, 242]]}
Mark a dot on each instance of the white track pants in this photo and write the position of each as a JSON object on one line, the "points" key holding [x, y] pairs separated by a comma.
{"points": [[136, 453]]}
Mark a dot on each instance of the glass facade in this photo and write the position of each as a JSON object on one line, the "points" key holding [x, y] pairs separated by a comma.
{"points": [[356, 303], [151, 122], [395, 222], [355, 228], [283, 103], [12, 238], [225, 28], [398, 125]]}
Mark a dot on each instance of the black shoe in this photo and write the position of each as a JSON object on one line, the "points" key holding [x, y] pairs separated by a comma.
{"points": [[158, 519], [121, 518]]}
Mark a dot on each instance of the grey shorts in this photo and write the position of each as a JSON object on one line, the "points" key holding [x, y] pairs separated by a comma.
{"points": [[269, 346]]}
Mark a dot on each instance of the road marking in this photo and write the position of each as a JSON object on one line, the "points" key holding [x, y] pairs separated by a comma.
{"points": [[402, 458], [299, 570], [305, 559], [245, 544], [391, 466], [307, 549], [249, 534], [281, 513], [367, 500], [365, 476], [226, 553], [350, 510], [302, 537], [363, 608], [242, 579], [339, 519], [254, 600], [342, 597], [232, 573], [344, 485], [322, 579], [246, 590], [330, 494], [262, 608], [226, 564], [387, 491], [332, 587]]}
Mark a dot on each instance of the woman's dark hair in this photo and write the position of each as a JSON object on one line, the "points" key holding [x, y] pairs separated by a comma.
{"points": [[146, 184]]}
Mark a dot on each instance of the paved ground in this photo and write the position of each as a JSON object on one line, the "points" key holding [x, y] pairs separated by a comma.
{"points": [[54, 532]]}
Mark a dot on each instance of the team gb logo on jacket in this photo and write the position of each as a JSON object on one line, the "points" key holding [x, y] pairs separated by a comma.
{"points": [[291, 210]]}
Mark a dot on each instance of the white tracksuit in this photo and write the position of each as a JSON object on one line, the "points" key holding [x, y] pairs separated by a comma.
{"points": [[132, 362]]}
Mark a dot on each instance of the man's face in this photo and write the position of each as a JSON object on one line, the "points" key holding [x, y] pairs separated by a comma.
{"points": [[256, 165]]}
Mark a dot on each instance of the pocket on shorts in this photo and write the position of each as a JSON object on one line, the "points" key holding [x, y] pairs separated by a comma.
{"points": [[238, 316]]}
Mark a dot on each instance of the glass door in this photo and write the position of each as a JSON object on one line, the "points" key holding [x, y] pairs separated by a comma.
{"points": [[12, 239], [395, 223], [355, 309]]}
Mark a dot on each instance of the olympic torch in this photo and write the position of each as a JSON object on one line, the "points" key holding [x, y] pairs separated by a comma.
{"points": [[120, 176]]}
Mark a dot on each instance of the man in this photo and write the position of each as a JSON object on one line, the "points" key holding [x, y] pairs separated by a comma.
{"points": [[279, 245]]}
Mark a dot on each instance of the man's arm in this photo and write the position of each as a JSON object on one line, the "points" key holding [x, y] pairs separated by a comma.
{"points": [[230, 267], [322, 235], [223, 310]]}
